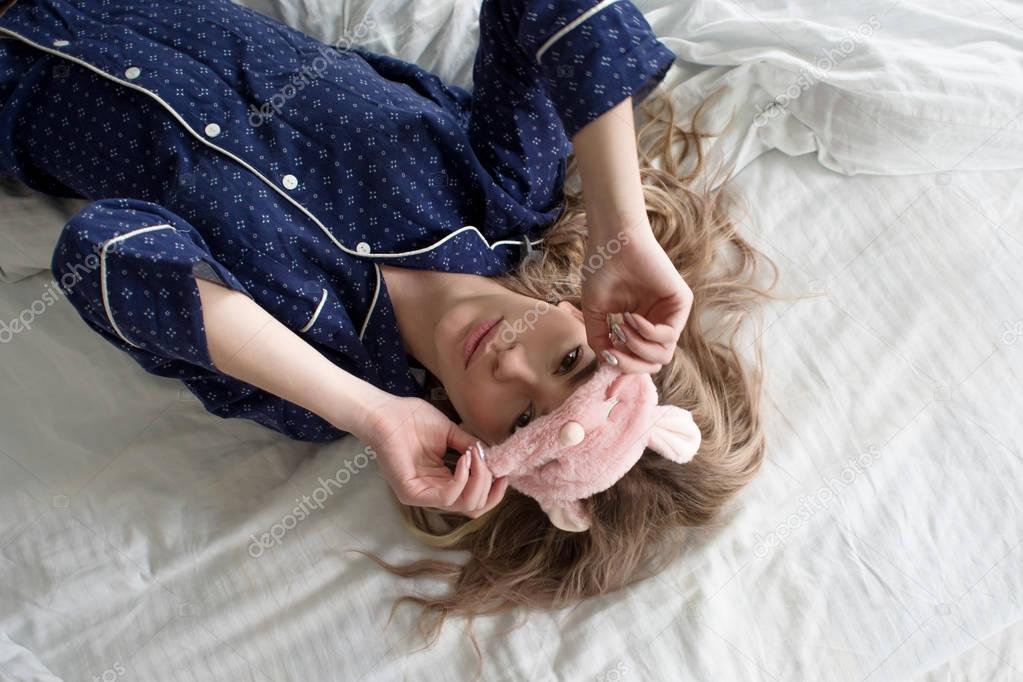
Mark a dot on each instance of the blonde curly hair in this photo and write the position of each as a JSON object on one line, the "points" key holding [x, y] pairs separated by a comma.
{"points": [[517, 558]]}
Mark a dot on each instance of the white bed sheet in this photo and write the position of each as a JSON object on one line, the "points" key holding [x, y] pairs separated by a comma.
{"points": [[126, 511]]}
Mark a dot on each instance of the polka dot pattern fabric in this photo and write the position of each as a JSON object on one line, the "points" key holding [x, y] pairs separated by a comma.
{"points": [[218, 143]]}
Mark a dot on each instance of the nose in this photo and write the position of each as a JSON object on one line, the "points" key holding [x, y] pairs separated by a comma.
{"points": [[512, 365]]}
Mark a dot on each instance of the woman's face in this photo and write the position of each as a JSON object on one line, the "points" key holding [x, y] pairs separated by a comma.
{"points": [[526, 366]]}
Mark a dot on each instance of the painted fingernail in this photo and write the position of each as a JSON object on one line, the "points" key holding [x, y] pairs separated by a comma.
{"points": [[617, 331], [468, 460], [479, 451], [628, 316], [609, 358]]}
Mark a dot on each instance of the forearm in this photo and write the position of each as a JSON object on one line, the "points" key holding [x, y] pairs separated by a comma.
{"points": [[609, 169], [247, 343]]}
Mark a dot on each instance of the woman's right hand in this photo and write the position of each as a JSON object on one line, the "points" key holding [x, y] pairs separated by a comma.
{"points": [[410, 437]]}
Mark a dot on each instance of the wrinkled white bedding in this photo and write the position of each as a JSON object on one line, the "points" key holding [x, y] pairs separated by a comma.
{"points": [[882, 540]]}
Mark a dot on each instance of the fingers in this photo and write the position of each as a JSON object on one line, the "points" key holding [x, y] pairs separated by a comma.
{"points": [[482, 493], [475, 494], [596, 330], [453, 490], [459, 439], [640, 337], [496, 495], [630, 364], [657, 333], [679, 319], [471, 490], [643, 350]]}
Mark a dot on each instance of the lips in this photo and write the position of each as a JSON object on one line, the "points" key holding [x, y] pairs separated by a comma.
{"points": [[478, 336]]}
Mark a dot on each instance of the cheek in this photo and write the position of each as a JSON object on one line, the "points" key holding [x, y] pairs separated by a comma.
{"points": [[477, 405]]}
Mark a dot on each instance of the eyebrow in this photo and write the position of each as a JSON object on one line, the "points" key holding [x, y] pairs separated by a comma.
{"points": [[580, 376], [583, 374]]}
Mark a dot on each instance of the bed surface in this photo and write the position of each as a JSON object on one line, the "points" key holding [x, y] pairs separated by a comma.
{"points": [[881, 541]]}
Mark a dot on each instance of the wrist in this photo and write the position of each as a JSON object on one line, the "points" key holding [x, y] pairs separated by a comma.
{"points": [[606, 225], [352, 404], [609, 170]]}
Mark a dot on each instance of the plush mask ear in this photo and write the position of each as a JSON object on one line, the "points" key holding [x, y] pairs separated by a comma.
{"points": [[568, 516], [675, 435]]}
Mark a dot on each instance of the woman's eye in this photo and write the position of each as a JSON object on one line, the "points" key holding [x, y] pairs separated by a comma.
{"points": [[567, 363], [523, 419], [571, 358]]}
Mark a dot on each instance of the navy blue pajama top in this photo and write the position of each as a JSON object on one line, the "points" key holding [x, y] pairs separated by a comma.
{"points": [[216, 142]]}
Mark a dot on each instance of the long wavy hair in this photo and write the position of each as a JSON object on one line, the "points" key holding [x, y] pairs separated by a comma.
{"points": [[641, 524]]}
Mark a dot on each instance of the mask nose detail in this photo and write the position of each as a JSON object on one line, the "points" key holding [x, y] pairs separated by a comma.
{"points": [[611, 402], [612, 388], [572, 433]]}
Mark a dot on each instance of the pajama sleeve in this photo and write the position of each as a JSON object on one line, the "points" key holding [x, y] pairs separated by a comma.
{"points": [[593, 53], [128, 267]]}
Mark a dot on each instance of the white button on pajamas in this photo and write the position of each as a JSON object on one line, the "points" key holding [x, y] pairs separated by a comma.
{"points": [[215, 142]]}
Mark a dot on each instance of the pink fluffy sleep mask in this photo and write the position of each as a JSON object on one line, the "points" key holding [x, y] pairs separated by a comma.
{"points": [[590, 441]]}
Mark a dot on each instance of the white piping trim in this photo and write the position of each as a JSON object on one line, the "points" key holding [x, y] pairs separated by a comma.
{"points": [[372, 304], [505, 242], [255, 172], [316, 313], [571, 25], [103, 273], [376, 292]]}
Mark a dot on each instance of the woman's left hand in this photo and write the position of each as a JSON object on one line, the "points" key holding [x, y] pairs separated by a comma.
{"points": [[640, 281], [410, 437]]}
